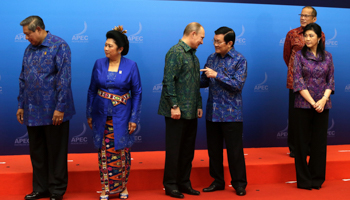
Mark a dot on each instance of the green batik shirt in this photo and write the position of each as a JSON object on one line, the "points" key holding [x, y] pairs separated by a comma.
{"points": [[181, 82]]}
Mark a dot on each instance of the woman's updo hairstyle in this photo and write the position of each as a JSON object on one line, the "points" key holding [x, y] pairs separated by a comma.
{"points": [[120, 39]]}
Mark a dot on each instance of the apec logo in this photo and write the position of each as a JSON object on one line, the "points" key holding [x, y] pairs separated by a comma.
{"points": [[158, 87], [347, 88], [138, 138], [239, 39], [282, 41], [20, 37], [261, 87], [80, 37], [22, 141], [80, 139], [331, 42], [283, 134], [331, 132], [136, 38]]}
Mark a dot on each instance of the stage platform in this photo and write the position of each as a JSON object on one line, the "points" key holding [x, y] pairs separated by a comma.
{"points": [[266, 167]]}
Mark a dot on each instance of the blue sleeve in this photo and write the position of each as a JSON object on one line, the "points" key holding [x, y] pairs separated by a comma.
{"points": [[136, 95], [92, 91], [63, 66]]}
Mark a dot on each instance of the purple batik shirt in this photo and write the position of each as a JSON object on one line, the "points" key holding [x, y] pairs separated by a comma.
{"points": [[313, 74]]}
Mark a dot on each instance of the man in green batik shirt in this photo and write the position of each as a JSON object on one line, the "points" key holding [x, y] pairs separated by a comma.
{"points": [[181, 104]]}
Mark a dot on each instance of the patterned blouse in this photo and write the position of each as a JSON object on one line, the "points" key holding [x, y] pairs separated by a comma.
{"points": [[314, 75]]}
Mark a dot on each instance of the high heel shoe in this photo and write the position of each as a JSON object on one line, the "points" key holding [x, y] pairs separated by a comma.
{"points": [[104, 197]]}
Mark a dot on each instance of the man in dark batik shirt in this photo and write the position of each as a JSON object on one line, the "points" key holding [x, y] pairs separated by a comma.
{"points": [[181, 104]]}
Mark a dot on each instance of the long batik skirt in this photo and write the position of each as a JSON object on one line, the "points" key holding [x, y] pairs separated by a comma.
{"points": [[114, 164]]}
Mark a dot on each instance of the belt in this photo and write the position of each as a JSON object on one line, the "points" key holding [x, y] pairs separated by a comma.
{"points": [[116, 99]]}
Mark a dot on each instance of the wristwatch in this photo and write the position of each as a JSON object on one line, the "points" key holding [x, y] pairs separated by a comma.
{"points": [[175, 106]]}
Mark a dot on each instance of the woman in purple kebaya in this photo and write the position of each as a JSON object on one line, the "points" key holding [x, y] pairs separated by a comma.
{"points": [[313, 85]]}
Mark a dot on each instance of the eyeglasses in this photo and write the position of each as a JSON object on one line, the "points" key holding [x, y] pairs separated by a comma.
{"points": [[216, 42], [306, 16]]}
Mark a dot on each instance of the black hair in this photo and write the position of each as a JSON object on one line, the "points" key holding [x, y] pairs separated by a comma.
{"points": [[120, 39], [314, 12], [229, 34], [320, 47]]}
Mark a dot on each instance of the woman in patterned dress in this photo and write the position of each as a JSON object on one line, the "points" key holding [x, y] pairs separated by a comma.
{"points": [[113, 112]]}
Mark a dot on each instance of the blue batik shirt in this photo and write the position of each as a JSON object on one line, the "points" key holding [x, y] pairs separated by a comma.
{"points": [[45, 82], [225, 90]]}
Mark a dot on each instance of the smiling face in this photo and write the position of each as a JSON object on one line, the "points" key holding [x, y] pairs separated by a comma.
{"points": [[221, 47], [111, 49], [197, 38], [311, 39], [306, 17], [33, 37]]}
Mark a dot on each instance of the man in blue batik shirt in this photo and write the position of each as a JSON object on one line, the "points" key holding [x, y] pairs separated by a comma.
{"points": [[225, 73], [45, 106]]}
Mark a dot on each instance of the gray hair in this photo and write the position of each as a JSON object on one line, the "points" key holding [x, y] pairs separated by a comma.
{"points": [[32, 22]]}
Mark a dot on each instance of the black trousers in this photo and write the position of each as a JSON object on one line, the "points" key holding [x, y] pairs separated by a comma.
{"points": [[291, 122], [311, 133], [48, 152], [231, 133], [179, 146]]}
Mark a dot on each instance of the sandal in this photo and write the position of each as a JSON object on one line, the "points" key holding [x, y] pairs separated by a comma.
{"points": [[123, 196], [104, 197]]}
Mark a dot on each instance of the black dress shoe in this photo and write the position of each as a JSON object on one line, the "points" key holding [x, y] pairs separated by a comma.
{"points": [[37, 195], [305, 188], [56, 197], [240, 191], [291, 154], [316, 187], [189, 190], [213, 188], [174, 193]]}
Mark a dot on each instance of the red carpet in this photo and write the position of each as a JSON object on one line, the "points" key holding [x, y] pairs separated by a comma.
{"points": [[268, 170]]}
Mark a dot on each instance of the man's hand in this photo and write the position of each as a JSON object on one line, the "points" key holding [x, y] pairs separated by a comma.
{"points": [[132, 127], [176, 113], [19, 115], [57, 117], [200, 113], [209, 72], [89, 121]]}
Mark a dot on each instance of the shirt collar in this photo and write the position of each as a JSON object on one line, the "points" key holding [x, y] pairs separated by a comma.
{"points": [[46, 41], [300, 30], [230, 53], [311, 56], [186, 47]]}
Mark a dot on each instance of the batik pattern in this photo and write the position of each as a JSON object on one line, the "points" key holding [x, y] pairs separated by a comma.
{"points": [[181, 82], [114, 164], [225, 90]]}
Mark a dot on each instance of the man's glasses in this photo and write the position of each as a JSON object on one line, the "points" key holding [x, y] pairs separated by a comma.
{"points": [[216, 42], [306, 16]]}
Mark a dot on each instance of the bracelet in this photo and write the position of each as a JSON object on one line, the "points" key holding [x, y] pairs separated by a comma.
{"points": [[327, 98]]}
